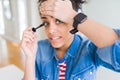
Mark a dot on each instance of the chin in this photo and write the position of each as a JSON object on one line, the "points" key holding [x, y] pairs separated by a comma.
{"points": [[57, 45]]}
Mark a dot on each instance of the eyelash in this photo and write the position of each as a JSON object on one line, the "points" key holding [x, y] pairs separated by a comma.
{"points": [[46, 24], [57, 22]]}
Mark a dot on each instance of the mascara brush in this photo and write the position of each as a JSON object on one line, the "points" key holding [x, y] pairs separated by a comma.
{"points": [[34, 29]]}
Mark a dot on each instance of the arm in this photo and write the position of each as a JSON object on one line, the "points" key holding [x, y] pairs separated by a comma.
{"points": [[99, 34], [29, 46], [110, 60], [29, 73], [107, 56]]}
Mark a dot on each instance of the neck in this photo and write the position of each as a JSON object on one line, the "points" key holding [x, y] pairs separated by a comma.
{"points": [[62, 51]]}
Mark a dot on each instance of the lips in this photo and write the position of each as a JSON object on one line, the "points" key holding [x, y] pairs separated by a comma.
{"points": [[55, 38]]}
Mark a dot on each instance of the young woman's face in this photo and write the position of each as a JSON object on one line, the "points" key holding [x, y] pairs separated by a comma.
{"points": [[57, 32]]}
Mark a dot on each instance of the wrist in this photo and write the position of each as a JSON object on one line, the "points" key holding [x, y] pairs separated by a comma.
{"points": [[30, 59], [78, 19], [29, 63]]}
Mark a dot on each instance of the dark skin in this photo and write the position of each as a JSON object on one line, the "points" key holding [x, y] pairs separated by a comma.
{"points": [[63, 11]]}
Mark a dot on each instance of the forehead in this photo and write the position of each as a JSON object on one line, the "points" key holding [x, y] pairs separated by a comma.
{"points": [[40, 1], [47, 17], [49, 1]]}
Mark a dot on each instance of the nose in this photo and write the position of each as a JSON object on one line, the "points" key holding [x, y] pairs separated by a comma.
{"points": [[52, 28]]}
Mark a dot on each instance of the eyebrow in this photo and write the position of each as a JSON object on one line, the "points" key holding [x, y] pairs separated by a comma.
{"points": [[43, 18]]}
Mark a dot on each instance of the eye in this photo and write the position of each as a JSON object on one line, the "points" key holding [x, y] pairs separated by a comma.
{"points": [[58, 21], [45, 24]]}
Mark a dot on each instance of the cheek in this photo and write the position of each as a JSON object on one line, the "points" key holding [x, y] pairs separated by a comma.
{"points": [[66, 35], [67, 28], [65, 31], [46, 31]]}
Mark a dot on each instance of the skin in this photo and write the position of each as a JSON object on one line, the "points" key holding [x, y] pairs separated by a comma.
{"points": [[59, 16], [95, 31], [58, 34]]}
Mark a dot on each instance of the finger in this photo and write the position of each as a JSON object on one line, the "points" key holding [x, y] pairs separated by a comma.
{"points": [[28, 41], [47, 13], [29, 34], [47, 5], [46, 8], [31, 38], [28, 29], [63, 0], [25, 42]]}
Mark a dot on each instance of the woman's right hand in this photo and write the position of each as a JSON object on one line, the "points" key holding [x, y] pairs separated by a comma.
{"points": [[29, 43]]}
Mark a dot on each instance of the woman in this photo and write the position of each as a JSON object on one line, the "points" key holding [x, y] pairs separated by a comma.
{"points": [[66, 56]]}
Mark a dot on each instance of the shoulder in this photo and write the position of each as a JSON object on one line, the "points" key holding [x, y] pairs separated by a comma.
{"points": [[86, 43], [45, 50], [84, 40], [43, 42], [44, 45]]}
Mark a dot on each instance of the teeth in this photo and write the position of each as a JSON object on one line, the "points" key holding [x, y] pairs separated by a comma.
{"points": [[55, 38]]}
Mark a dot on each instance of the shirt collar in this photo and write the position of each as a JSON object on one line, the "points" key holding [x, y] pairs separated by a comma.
{"points": [[73, 49]]}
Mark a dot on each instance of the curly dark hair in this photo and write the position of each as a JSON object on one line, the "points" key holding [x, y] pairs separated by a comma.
{"points": [[77, 4]]}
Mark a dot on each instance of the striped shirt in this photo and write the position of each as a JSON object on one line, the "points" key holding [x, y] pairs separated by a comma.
{"points": [[62, 65]]}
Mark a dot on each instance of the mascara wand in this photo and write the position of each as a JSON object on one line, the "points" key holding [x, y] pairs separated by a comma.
{"points": [[34, 29]]}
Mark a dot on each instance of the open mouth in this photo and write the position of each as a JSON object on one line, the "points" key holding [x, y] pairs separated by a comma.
{"points": [[55, 38]]}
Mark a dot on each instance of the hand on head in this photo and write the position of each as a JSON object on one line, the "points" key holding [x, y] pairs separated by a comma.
{"points": [[59, 9]]}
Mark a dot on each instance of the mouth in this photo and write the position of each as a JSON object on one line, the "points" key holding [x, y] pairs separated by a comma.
{"points": [[55, 38]]}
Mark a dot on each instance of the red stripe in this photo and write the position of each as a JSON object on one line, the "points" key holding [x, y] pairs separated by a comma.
{"points": [[62, 75], [62, 70], [61, 79], [63, 66]]}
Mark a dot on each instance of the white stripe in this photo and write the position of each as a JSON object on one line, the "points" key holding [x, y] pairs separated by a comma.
{"points": [[63, 63], [61, 77], [62, 73], [61, 68]]}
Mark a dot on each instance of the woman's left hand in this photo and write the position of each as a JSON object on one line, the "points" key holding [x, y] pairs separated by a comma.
{"points": [[59, 9]]}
